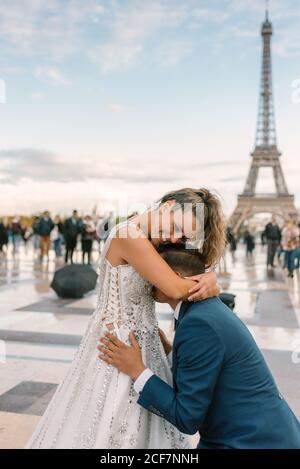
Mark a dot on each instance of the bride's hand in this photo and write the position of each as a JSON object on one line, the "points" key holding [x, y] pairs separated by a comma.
{"points": [[206, 286], [126, 359]]}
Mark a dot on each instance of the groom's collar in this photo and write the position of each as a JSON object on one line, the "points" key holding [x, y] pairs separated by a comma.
{"points": [[183, 308], [177, 310], [180, 310]]}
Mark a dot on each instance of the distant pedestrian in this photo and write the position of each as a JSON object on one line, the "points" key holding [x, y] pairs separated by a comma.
{"points": [[16, 233], [27, 234], [231, 241], [3, 237], [45, 227], [250, 243], [56, 236], [273, 237], [36, 236], [263, 237], [71, 230], [88, 232], [297, 252], [290, 242]]}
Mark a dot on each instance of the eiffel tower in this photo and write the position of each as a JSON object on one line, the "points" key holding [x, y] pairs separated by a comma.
{"points": [[265, 154]]}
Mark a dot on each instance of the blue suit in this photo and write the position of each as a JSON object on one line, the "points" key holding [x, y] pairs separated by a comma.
{"points": [[222, 386]]}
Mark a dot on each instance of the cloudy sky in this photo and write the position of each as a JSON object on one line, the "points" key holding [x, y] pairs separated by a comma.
{"points": [[110, 99]]}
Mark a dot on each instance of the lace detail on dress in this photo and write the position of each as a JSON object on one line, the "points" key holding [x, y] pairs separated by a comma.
{"points": [[112, 313]]}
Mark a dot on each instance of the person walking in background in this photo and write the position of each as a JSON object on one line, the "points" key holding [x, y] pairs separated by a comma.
{"points": [[45, 227], [71, 231], [250, 243], [3, 237], [27, 234], [56, 236], [263, 237], [101, 233], [297, 257], [231, 241], [290, 242], [36, 236], [273, 237], [16, 233], [88, 231], [297, 252]]}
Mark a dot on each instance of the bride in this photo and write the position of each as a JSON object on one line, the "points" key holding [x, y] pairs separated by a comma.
{"points": [[95, 406]]}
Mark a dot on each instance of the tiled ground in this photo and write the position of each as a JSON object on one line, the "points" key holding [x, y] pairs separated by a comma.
{"points": [[40, 333]]}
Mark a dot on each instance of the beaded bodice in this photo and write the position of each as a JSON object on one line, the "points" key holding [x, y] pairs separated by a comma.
{"points": [[126, 301]]}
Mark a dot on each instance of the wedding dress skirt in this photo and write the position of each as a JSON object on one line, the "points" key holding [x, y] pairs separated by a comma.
{"points": [[95, 406]]}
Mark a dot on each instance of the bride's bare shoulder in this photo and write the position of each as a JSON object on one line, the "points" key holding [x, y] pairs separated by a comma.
{"points": [[123, 239]]}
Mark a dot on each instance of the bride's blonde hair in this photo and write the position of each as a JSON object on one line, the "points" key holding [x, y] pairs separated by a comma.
{"points": [[214, 222]]}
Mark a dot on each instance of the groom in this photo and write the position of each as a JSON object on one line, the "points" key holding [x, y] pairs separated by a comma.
{"points": [[222, 386]]}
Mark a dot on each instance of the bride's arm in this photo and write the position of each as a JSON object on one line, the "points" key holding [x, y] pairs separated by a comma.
{"points": [[137, 251]]}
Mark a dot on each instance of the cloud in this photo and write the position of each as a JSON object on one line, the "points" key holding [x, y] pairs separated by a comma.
{"points": [[42, 165], [210, 14], [171, 53], [116, 108], [131, 26], [114, 55], [51, 75], [112, 34], [241, 32], [30, 163], [117, 34], [52, 28], [241, 19], [287, 43], [37, 96]]}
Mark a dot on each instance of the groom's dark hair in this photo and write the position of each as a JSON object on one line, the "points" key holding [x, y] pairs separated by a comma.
{"points": [[186, 261]]}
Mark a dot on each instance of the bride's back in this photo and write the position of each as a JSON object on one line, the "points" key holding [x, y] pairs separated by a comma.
{"points": [[125, 299]]}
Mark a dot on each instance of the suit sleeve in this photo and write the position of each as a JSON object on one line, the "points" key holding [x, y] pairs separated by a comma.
{"points": [[200, 355]]}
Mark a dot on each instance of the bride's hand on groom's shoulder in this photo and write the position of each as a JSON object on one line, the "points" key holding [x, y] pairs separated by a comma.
{"points": [[127, 359], [206, 286]]}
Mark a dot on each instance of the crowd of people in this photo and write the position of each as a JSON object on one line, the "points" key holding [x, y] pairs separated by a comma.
{"points": [[62, 236], [282, 242]]}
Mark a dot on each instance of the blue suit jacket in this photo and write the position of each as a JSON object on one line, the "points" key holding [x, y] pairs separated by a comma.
{"points": [[222, 386]]}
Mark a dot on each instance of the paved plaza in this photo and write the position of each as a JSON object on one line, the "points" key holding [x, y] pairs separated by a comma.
{"points": [[39, 333]]}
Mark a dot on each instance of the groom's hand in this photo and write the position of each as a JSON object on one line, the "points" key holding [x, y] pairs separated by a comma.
{"points": [[127, 359]]}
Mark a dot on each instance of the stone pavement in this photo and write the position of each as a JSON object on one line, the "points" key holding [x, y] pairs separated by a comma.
{"points": [[39, 333]]}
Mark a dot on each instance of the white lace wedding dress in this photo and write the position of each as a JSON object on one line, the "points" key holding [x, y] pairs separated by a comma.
{"points": [[96, 406]]}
